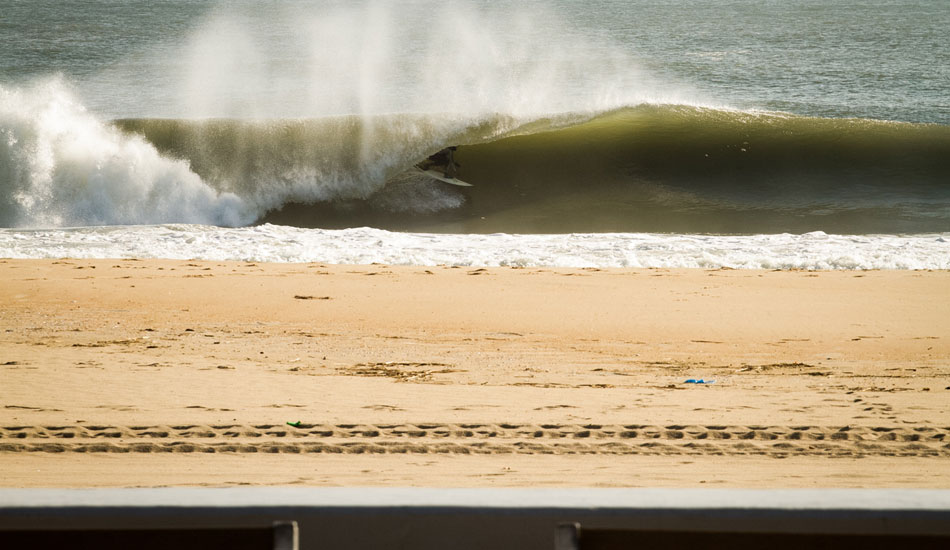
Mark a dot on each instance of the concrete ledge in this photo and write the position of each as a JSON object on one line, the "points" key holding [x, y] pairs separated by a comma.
{"points": [[481, 518]]}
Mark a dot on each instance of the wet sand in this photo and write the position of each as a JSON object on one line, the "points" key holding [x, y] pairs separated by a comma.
{"points": [[153, 373]]}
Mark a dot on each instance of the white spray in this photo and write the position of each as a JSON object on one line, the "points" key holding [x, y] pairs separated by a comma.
{"points": [[61, 166], [306, 59]]}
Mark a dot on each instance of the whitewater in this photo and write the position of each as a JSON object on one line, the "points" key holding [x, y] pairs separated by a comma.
{"points": [[289, 135], [363, 246]]}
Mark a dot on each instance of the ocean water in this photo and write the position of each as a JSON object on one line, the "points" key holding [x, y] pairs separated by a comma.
{"points": [[693, 133]]}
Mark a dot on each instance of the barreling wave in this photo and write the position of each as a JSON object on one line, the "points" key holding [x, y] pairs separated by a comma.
{"points": [[642, 168]]}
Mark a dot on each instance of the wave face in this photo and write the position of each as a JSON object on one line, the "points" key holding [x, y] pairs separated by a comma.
{"points": [[690, 169], [670, 168]]}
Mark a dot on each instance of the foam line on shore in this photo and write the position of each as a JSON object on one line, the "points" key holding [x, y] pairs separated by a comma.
{"points": [[362, 246]]}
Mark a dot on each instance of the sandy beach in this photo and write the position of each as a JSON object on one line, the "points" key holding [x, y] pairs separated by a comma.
{"points": [[156, 373]]}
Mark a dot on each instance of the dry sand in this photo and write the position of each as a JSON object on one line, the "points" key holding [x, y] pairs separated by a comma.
{"points": [[150, 373]]}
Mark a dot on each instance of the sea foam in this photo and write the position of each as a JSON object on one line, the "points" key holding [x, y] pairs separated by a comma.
{"points": [[272, 243], [61, 166]]}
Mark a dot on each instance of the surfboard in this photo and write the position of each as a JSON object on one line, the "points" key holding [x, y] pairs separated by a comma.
{"points": [[441, 177]]}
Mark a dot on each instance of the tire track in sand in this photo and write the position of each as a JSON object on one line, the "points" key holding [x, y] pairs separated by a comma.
{"points": [[489, 438]]}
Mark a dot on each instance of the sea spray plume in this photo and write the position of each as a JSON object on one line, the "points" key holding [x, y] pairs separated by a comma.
{"points": [[334, 65], [315, 59], [223, 63], [373, 58], [390, 85], [61, 166], [526, 62]]}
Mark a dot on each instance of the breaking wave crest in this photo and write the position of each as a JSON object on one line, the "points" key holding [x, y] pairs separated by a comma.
{"points": [[61, 166]]}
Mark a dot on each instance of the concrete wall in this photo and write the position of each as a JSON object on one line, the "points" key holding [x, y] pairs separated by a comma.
{"points": [[364, 518]]}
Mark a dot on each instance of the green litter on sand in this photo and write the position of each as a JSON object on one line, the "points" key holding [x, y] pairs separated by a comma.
{"points": [[294, 424]]}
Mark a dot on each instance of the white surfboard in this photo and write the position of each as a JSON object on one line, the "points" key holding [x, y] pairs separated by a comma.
{"points": [[441, 177]]}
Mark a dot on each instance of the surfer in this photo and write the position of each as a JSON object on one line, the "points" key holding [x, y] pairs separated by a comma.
{"points": [[443, 161]]}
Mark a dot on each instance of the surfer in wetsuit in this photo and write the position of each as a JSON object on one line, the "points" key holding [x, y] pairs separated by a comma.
{"points": [[443, 161]]}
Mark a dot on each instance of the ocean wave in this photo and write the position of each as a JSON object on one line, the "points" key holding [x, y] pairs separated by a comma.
{"points": [[640, 168]]}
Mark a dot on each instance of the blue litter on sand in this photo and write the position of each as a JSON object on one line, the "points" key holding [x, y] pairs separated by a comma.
{"points": [[699, 381]]}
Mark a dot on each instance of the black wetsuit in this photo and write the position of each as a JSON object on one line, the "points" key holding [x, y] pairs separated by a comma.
{"points": [[442, 161]]}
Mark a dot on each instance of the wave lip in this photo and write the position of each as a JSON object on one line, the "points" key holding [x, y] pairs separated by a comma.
{"points": [[271, 243]]}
